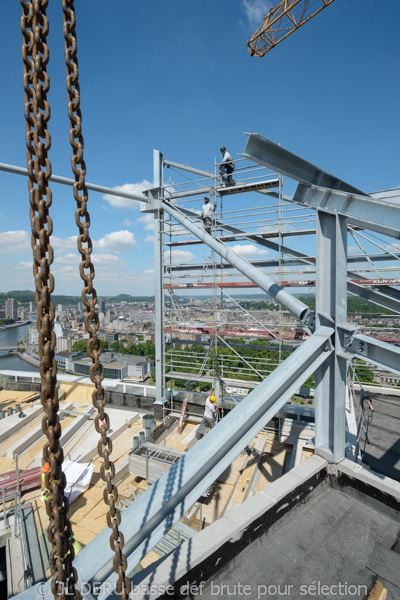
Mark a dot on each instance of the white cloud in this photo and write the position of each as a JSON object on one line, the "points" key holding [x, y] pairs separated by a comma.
{"points": [[256, 11], [148, 220], [131, 188], [249, 250], [24, 265], [117, 241], [149, 238], [394, 248], [62, 245], [107, 259], [179, 256], [148, 272], [67, 259], [68, 269], [14, 242]]}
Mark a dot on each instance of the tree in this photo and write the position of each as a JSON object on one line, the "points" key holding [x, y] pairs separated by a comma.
{"points": [[118, 347], [79, 346]]}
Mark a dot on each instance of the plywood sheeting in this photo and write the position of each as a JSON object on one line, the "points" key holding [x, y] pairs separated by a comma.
{"points": [[77, 392]]}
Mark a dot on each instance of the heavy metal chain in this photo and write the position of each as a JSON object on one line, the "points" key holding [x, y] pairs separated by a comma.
{"points": [[35, 54], [89, 296]]}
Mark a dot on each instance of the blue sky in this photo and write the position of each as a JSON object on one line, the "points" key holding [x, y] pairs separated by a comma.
{"points": [[176, 76]]}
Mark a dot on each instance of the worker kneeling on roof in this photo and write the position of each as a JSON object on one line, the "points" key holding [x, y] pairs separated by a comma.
{"points": [[45, 491], [76, 546]]}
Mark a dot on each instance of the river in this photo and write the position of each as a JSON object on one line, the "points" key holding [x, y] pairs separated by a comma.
{"points": [[12, 362]]}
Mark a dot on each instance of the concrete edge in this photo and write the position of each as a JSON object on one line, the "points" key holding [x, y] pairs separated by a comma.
{"points": [[370, 478]]}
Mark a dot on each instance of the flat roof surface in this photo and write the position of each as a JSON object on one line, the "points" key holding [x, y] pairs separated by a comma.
{"points": [[330, 539], [382, 454]]}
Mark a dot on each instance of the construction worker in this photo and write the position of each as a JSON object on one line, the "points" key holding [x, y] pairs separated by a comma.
{"points": [[76, 546], [226, 166], [210, 412], [206, 214], [45, 491]]}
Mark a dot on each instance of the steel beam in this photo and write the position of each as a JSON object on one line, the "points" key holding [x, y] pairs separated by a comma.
{"points": [[265, 152], [381, 354], [66, 181], [158, 283], [202, 191], [169, 163], [331, 308], [385, 285], [292, 304], [377, 297], [377, 215]]}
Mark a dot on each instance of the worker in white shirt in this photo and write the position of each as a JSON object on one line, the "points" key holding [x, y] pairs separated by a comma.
{"points": [[210, 412], [206, 214], [226, 166]]}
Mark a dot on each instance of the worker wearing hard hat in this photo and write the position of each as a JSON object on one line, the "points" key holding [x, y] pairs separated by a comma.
{"points": [[210, 412]]}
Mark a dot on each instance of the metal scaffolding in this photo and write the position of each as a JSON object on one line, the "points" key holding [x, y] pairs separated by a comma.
{"points": [[201, 346], [333, 210]]}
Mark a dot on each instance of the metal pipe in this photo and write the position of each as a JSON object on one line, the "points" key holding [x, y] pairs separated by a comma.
{"points": [[295, 306], [66, 181]]}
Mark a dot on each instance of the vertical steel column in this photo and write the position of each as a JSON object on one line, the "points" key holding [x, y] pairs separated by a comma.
{"points": [[331, 309], [158, 282]]}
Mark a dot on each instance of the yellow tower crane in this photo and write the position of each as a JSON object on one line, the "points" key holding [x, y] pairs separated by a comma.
{"points": [[283, 20]]}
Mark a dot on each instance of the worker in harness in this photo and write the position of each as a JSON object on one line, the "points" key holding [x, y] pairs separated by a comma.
{"points": [[75, 544], [45, 495]]}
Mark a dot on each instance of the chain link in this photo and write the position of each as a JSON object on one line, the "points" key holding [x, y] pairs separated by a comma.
{"points": [[89, 296], [35, 55]]}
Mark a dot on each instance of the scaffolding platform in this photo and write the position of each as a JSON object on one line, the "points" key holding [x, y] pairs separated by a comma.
{"points": [[248, 187], [237, 236], [211, 379]]}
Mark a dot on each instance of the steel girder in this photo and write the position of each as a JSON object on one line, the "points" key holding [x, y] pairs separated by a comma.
{"points": [[158, 283], [320, 190], [265, 152], [380, 216], [381, 354]]}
